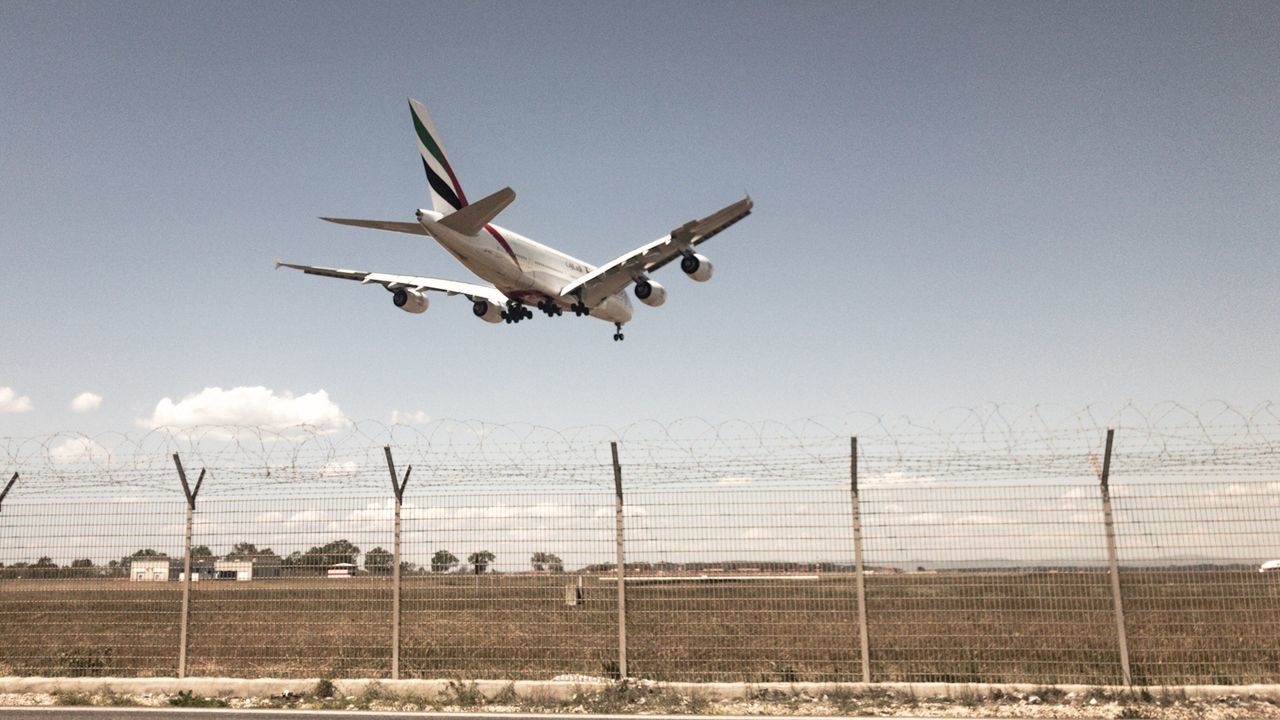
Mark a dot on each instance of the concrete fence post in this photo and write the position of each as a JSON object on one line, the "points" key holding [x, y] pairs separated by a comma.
{"points": [[859, 575], [1104, 477], [8, 486], [191, 494], [397, 487], [622, 564]]}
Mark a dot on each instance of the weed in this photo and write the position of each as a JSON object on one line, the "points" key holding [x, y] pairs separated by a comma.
{"points": [[186, 698], [84, 662], [506, 696], [464, 694], [324, 689], [63, 697], [371, 693]]}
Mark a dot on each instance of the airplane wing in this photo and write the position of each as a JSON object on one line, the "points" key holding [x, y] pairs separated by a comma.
{"points": [[410, 228], [617, 274], [412, 282]]}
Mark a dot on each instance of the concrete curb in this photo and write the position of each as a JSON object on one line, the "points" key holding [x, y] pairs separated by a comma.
{"points": [[434, 689]]}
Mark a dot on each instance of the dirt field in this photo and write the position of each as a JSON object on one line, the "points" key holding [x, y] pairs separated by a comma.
{"points": [[1183, 627]]}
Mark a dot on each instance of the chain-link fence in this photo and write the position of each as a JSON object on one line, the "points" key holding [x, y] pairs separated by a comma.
{"points": [[984, 547]]}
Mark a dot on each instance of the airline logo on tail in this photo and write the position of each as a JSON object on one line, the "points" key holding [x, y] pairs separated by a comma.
{"points": [[446, 192]]}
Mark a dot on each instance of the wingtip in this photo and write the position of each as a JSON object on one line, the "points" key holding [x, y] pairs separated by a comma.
{"points": [[278, 263]]}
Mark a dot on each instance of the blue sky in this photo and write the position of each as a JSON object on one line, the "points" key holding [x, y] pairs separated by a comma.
{"points": [[955, 204]]}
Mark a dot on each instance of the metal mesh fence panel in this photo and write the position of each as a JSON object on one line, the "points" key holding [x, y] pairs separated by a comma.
{"points": [[737, 580], [985, 552], [973, 582], [86, 585], [502, 591], [322, 609]]}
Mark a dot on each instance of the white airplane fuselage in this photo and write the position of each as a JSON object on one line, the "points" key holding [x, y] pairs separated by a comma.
{"points": [[523, 269]]}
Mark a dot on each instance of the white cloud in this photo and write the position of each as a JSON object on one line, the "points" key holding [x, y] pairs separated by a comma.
{"points": [[74, 450], [253, 406], [86, 402], [12, 402], [409, 418]]}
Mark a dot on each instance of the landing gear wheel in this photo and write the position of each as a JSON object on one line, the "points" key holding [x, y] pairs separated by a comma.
{"points": [[618, 335], [516, 312]]}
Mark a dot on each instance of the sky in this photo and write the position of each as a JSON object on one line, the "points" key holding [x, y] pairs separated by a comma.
{"points": [[955, 204]]}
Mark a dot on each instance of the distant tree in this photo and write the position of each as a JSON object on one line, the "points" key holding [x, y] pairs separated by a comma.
{"points": [[242, 550], [201, 551], [45, 562], [378, 561], [546, 561], [480, 561], [82, 563], [443, 561], [249, 551], [320, 558]]}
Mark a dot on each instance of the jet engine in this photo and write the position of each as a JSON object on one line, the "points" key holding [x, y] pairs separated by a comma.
{"points": [[697, 267], [410, 301], [651, 293], [487, 311]]}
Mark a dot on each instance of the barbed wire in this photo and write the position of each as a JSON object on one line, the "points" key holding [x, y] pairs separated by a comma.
{"points": [[991, 443]]}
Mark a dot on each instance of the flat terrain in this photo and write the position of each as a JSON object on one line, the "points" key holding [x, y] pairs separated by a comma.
{"points": [[1183, 627]]}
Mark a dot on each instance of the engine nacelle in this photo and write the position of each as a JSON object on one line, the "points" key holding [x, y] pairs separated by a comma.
{"points": [[697, 267], [651, 293], [487, 311], [410, 301]]}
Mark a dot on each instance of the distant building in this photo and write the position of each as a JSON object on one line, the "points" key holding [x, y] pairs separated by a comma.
{"points": [[150, 570], [342, 570], [247, 569], [1270, 566]]}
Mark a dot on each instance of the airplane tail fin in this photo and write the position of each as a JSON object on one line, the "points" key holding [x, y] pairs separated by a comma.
{"points": [[446, 193], [471, 219]]}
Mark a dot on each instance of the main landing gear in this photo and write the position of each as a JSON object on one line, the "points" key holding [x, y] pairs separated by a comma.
{"points": [[516, 312], [579, 309], [618, 335], [550, 308]]}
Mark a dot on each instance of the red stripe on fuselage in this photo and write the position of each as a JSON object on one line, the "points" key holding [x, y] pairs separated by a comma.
{"points": [[505, 245]]}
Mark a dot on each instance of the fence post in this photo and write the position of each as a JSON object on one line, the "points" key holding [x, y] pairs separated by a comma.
{"points": [[622, 581], [857, 562], [397, 487], [186, 562], [8, 486], [1104, 476]]}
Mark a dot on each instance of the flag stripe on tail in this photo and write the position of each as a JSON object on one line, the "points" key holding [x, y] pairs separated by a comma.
{"points": [[441, 187], [459, 199]]}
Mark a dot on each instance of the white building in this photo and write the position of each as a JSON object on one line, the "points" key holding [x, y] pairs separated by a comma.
{"points": [[238, 569], [342, 570], [149, 570]]}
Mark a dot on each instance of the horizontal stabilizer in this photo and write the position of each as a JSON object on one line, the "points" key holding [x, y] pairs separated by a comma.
{"points": [[411, 228], [471, 219]]}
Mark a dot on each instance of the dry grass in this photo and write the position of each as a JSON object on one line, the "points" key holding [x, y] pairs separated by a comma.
{"points": [[1184, 627]]}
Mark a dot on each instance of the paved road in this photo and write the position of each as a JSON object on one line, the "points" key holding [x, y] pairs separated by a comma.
{"points": [[104, 713]]}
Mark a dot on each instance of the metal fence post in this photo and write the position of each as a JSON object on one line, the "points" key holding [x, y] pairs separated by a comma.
{"points": [[8, 486], [622, 581], [1104, 476], [397, 487], [857, 562], [186, 562]]}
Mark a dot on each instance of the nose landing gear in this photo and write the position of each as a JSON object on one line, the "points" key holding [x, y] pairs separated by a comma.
{"points": [[617, 335]]}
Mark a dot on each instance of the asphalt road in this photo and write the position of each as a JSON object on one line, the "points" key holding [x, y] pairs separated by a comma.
{"points": [[105, 713]]}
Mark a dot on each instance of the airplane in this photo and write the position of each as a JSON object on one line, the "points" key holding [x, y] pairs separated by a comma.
{"points": [[523, 272]]}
